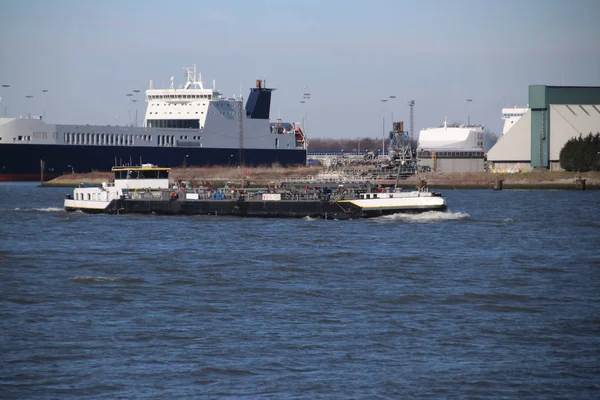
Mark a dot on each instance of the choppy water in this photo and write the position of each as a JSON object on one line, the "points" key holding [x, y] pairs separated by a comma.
{"points": [[498, 298]]}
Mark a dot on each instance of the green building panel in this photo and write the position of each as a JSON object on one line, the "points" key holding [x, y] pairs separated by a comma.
{"points": [[540, 98]]}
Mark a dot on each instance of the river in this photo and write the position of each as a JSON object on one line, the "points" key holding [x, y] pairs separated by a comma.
{"points": [[499, 298]]}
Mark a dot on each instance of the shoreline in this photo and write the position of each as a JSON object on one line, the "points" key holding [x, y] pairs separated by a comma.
{"points": [[262, 177]]}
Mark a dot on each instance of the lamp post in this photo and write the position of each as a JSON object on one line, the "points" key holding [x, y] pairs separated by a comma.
{"points": [[303, 114], [411, 104], [5, 105], [383, 131], [44, 91], [469, 101], [305, 98], [129, 96], [136, 92], [392, 97], [29, 109], [134, 101]]}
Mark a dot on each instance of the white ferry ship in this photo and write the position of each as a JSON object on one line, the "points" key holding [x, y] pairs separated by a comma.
{"points": [[511, 116], [189, 125], [457, 136]]}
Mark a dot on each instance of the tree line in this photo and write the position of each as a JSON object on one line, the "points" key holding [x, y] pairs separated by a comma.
{"points": [[581, 154], [361, 145], [349, 145]]}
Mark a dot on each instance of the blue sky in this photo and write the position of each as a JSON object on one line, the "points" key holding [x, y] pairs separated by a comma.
{"points": [[350, 55]]}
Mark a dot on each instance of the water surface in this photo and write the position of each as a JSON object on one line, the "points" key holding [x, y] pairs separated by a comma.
{"points": [[497, 298]]}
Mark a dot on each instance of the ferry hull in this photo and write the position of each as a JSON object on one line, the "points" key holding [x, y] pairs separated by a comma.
{"points": [[23, 162]]}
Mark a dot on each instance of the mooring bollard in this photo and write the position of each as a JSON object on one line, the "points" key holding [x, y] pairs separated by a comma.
{"points": [[580, 183]]}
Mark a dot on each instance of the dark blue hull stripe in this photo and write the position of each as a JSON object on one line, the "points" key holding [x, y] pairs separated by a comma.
{"points": [[59, 159]]}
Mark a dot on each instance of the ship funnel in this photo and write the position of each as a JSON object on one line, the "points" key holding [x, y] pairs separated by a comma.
{"points": [[259, 101]]}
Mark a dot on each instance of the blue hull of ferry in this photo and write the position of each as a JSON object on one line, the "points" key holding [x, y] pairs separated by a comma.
{"points": [[22, 162]]}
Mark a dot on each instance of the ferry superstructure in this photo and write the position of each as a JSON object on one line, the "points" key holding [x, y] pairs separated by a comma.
{"points": [[456, 136], [189, 125], [511, 116]]}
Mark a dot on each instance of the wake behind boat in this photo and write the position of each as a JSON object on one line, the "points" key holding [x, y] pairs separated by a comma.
{"points": [[186, 125], [146, 189]]}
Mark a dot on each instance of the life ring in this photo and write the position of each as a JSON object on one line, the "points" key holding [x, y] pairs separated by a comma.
{"points": [[173, 194]]}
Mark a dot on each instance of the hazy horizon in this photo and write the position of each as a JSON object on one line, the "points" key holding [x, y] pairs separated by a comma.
{"points": [[350, 55]]}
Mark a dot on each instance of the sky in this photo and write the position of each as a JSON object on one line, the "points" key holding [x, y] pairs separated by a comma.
{"points": [[349, 55]]}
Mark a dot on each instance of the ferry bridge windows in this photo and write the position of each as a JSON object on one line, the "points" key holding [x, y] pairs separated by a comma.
{"points": [[174, 123], [166, 140]]}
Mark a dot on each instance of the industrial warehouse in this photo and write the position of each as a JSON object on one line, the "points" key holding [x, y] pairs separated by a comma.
{"points": [[555, 115]]}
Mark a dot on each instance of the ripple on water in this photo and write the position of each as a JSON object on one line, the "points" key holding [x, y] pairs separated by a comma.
{"points": [[103, 279]]}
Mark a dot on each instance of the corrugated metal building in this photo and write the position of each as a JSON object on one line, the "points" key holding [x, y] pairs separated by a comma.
{"points": [[556, 114], [451, 160]]}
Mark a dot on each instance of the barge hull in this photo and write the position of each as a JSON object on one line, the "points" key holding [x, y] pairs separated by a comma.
{"points": [[263, 209]]}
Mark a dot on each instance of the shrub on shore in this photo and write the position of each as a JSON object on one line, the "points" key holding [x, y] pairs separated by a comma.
{"points": [[581, 154]]}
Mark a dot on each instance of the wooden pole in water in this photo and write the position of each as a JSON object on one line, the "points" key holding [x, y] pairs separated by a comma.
{"points": [[41, 172]]}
